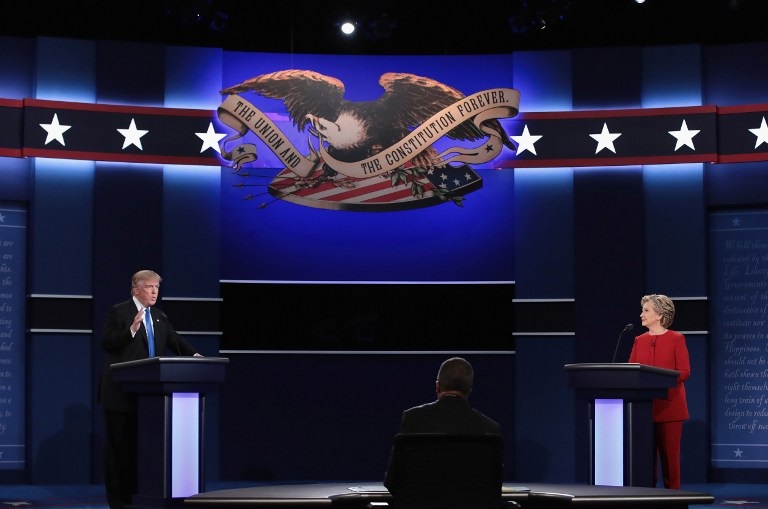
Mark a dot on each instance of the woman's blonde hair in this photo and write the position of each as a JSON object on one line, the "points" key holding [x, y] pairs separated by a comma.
{"points": [[663, 305]]}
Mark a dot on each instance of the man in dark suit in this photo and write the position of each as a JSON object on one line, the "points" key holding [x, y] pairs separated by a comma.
{"points": [[451, 413], [126, 338]]}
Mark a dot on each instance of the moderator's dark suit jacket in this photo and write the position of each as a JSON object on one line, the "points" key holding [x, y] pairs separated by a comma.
{"points": [[450, 414], [120, 346]]}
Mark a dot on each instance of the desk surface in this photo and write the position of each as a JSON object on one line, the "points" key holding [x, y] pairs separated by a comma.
{"points": [[528, 495]]}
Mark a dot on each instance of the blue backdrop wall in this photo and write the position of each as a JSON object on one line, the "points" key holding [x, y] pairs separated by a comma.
{"points": [[582, 245]]}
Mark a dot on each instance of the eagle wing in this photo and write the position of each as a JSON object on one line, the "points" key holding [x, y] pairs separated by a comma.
{"points": [[413, 99], [303, 93]]}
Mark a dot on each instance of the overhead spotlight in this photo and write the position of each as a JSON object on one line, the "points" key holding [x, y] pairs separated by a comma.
{"points": [[219, 21], [347, 28], [381, 27], [530, 16], [206, 15], [519, 25], [639, 1]]}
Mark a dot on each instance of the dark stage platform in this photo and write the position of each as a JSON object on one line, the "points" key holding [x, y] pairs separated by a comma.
{"points": [[529, 496]]}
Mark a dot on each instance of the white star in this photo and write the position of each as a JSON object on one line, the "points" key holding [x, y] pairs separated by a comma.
{"points": [[526, 141], [210, 139], [738, 453], [736, 222], [2, 218], [55, 131], [684, 136], [761, 133], [605, 139], [132, 135]]}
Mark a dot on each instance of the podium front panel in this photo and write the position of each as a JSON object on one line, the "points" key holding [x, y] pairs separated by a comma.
{"points": [[185, 444], [609, 442]]}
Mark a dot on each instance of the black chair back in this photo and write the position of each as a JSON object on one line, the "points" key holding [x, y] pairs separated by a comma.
{"points": [[442, 471]]}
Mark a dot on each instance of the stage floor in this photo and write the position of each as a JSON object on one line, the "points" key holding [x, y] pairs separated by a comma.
{"points": [[532, 496]]}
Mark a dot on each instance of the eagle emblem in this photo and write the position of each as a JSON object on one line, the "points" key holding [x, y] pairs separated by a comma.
{"points": [[370, 155]]}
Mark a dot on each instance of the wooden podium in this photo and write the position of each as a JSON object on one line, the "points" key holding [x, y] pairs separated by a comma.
{"points": [[170, 393], [620, 403]]}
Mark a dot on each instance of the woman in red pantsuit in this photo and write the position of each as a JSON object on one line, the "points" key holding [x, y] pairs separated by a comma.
{"points": [[664, 348]]}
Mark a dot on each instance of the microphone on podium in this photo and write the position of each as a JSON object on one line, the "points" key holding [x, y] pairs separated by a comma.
{"points": [[626, 328], [164, 318]]}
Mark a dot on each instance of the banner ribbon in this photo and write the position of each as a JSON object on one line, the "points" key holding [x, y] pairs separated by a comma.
{"points": [[477, 108]]}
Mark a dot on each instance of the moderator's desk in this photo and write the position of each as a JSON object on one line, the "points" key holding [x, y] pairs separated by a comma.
{"points": [[532, 496]]}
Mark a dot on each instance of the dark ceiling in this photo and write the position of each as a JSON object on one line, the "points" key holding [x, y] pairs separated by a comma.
{"points": [[393, 26]]}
